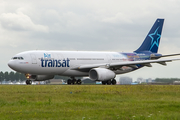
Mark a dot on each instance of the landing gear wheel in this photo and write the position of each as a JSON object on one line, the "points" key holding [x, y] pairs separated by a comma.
{"points": [[103, 82], [28, 82], [109, 82], [69, 81], [74, 81], [78, 82], [113, 82]]}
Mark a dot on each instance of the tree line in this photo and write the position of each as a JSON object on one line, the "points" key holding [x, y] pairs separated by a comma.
{"points": [[167, 80], [12, 76]]}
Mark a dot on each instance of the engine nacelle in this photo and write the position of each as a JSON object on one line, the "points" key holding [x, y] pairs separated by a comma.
{"points": [[41, 77], [101, 74]]}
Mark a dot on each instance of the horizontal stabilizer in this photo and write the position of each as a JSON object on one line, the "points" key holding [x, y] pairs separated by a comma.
{"points": [[157, 57]]}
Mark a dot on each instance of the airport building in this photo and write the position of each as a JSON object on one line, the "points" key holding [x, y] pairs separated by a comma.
{"points": [[125, 80]]}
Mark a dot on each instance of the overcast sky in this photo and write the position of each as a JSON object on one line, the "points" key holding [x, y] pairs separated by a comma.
{"points": [[89, 25]]}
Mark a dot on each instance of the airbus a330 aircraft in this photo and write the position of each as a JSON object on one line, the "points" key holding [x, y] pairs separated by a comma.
{"points": [[100, 66]]}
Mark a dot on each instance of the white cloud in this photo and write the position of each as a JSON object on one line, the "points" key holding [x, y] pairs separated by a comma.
{"points": [[119, 17], [20, 22]]}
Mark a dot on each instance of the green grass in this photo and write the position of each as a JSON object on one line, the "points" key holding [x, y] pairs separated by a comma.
{"points": [[101, 102]]}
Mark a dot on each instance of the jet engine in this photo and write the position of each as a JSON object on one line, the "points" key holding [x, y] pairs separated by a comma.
{"points": [[39, 77], [102, 74]]}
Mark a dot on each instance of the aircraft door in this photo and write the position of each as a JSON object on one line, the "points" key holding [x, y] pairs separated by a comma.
{"points": [[33, 57], [108, 58]]}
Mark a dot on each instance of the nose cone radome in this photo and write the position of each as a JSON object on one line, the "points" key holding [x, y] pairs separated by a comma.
{"points": [[12, 64]]}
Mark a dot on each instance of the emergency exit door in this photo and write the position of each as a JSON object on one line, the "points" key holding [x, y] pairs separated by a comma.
{"points": [[33, 58]]}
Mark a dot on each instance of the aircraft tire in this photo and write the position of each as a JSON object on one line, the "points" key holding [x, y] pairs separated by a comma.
{"points": [[74, 81], [79, 82], [113, 82], [69, 81], [108, 82], [104, 82], [28, 82]]}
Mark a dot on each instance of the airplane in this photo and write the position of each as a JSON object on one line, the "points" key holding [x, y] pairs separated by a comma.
{"points": [[40, 65]]}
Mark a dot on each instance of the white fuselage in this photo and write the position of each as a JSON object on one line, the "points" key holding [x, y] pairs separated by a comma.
{"points": [[63, 62]]}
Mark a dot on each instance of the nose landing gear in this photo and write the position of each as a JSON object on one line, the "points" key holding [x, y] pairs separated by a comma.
{"points": [[28, 82]]}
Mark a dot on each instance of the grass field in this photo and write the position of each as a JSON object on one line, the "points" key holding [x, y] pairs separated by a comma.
{"points": [[90, 102]]}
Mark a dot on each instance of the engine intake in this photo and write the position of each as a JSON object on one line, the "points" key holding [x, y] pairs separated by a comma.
{"points": [[101, 74]]}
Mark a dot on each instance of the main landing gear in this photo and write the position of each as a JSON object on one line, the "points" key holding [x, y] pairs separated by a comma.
{"points": [[74, 81], [28, 82], [109, 82]]}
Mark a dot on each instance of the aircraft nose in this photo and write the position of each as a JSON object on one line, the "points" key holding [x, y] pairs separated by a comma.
{"points": [[15, 65], [12, 64]]}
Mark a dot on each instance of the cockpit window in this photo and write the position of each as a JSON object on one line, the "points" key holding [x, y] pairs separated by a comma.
{"points": [[19, 58], [14, 58]]}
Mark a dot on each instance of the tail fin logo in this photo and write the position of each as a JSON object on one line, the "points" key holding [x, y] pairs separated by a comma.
{"points": [[155, 38], [152, 40]]}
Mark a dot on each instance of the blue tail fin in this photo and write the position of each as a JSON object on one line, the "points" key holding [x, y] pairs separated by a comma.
{"points": [[152, 40]]}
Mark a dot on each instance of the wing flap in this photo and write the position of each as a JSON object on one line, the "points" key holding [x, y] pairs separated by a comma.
{"points": [[147, 65], [162, 63]]}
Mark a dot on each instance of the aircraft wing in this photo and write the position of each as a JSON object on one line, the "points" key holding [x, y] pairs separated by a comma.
{"points": [[143, 63], [132, 64]]}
